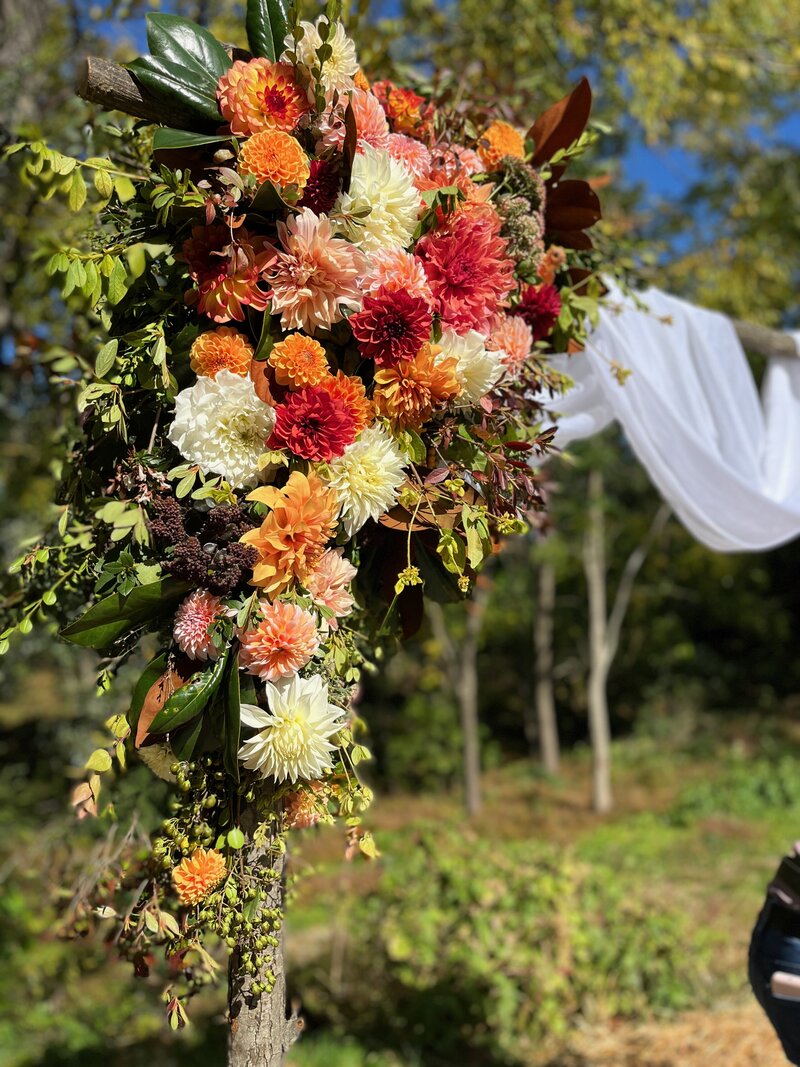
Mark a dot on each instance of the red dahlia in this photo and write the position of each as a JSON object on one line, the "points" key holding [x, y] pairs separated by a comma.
{"points": [[322, 187], [313, 424], [392, 326], [468, 269], [540, 307]]}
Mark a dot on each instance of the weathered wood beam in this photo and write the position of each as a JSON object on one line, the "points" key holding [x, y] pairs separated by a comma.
{"points": [[762, 341], [115, 89]]}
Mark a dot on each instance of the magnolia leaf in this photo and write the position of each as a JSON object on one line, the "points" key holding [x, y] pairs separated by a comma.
{"points": [[233, 719], [165, 138], [191, 698], [267, 23], [111, 617], [562, 124]]}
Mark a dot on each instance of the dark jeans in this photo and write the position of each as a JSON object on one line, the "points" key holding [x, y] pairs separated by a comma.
{"points": [[776, 947]]}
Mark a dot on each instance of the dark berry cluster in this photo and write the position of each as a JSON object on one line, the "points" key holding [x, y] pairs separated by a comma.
{"points": [[166, 520], [212, 558]]}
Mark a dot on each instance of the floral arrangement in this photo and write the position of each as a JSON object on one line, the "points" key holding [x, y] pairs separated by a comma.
{"points": [[328, 305]]}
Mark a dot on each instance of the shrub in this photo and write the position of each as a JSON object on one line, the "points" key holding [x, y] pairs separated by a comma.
{"points": [[469, 955]]}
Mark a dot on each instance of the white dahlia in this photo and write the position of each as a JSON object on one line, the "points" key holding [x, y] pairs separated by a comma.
{"points": [[222, 426], [339, 68], [478, 369], [366, 478], [381, 208], [293, 736]]}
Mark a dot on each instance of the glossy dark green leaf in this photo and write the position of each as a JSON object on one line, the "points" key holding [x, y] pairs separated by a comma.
{"points": [[183, 741], [267, 24], [233, 720], [267, 199], [166, 79], [152, 672], [189, 45], [113, 616], [191, 698], [165, 138]]}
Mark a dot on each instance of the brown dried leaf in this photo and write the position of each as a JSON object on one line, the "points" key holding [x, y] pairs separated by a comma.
{"points": [[562, 124], [158, 694]]}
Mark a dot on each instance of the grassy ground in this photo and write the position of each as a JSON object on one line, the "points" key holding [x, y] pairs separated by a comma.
{"points": [[702, 826]]}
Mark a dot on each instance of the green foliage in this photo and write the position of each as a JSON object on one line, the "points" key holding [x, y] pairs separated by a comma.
{"points": [[747, 788], [267, 23], [515, 942]]}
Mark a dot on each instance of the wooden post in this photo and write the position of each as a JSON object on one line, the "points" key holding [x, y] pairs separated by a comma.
{"points": [[260, 1032]]}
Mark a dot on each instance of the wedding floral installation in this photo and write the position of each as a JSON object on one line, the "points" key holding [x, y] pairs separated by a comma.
{"points": [[324, 309]]}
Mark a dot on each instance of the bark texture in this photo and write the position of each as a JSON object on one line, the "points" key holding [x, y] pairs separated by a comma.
{"points": [[260, 1031], [461, 664], [544, 696], [115, 89]]}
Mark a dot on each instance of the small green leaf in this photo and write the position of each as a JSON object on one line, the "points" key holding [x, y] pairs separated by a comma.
{"points": [[106, 358], [99, 761], [77, 191], [236, 838], [104, 184], [116, 282]]}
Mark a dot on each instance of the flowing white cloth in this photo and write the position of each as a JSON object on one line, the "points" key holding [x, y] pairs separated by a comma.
{"points": [[725, 458]]}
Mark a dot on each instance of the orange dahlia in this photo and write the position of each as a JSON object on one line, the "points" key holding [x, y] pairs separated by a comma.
{"points": [[274, 156], [292, 538], [353, 396], [221, 349], [408, 393], [282, 643], [196, 875], [360, 80], [497, 140], [259, 95], [299, 360]]}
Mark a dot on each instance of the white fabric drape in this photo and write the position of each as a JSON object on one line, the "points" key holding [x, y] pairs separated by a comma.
{"points": [[725, 458]]}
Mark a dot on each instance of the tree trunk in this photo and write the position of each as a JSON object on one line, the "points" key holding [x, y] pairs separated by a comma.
{"points": [[260, 1032], [594, 563], [461, 666], [543, 651]]}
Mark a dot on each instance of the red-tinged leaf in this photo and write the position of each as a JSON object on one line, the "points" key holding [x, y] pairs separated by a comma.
{"points": [[487, 405], [572, 239], [519, 446], [83, 801], [572, 205], [439, 475], [261, 379], [159, 693], [562, 124]]}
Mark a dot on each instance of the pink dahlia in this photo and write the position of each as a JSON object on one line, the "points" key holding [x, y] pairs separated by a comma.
{"points": [[514, 337], [316, 274], [391, 326], [193, 622], [328, 584], [303, 808], [371, 125], [539, 308], [227, 269], [396, 270], [282, 643], [322, 187], [313, 424], [414, 156], [468, 268]]}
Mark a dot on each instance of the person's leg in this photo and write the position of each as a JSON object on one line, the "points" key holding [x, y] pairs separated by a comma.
{"points": [[772, 949]]}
